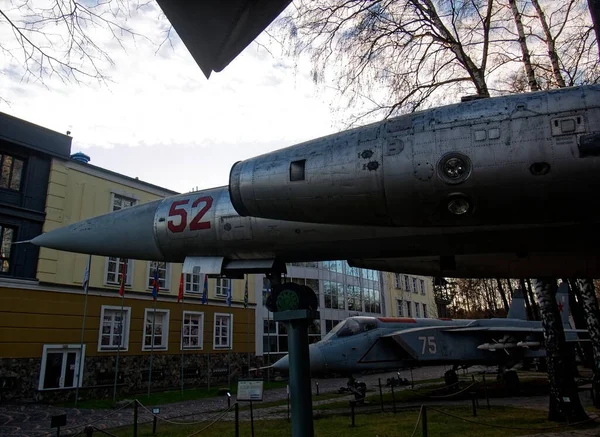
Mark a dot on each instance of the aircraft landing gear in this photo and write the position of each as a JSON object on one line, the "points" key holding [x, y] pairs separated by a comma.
{"points": [[451, 377], [511, 381]]}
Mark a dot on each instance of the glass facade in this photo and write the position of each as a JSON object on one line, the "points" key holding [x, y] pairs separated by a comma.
{"points": [[343, 291]]}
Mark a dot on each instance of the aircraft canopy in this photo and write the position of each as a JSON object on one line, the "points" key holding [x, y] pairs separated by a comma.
{"points": [[351, 326]]}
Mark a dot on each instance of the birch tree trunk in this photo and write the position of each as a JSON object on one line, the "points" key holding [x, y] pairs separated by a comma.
{"points": [[550, 43], [578, 314], [536, 313], [531, 80], [564, 404], [587, 297]]}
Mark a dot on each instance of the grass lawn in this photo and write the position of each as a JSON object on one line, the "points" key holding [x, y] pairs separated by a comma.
{"points": [[167, 397], [381, 425]]}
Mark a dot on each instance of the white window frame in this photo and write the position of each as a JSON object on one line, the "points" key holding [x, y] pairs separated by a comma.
{"points": [[62, 348], [188, 283], [414, 283], [125, 334], [398, 281], [424, 311], [128, 196], [150, 277], [230, 332], [165, 333], [400, 307], [406, 283], [200, 326], [129, 274], [417, 309], [422, 282], [221, 287], [408, 309]]}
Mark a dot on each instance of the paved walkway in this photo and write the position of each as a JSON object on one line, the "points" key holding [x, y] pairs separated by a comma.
{"points": [[34, 420]]}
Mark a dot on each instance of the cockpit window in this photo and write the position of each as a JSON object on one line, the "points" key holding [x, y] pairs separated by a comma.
{"points": [[335, 329], [369, 326], [351, 327]]}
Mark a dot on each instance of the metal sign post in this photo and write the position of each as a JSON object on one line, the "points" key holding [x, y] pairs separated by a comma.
{"points": [[297, 322]]}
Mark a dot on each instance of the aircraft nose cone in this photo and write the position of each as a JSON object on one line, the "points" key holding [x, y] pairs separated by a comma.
{"points": [[317, 360], [283, 364], [128, 233]]}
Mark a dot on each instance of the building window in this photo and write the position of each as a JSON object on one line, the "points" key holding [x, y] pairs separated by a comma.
{"points": [[221, 287], [62, 366], [417, 314], [354, 300], [399, 306], [161, 329], [275, 338], [222, 331], [114, 328], [330, 324], [424, 311], [408, 309], [422, 286], [334, 295], [192, 283], [120, 202], [406, 283], [7, 234], [114, 271], [164, 275], [397, 281], [193, 330], [414, 281], [12, 172]]}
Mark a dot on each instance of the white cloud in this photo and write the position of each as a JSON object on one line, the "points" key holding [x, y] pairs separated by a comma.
{"points": [[160, 119]]}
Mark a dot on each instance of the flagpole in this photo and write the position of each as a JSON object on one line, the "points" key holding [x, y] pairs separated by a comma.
{"points": [[121, 338], [155, 288], [182, 325], [269, 341], [86, 282], [152, 347], [119, 348], [230, 336], [247, 323]]}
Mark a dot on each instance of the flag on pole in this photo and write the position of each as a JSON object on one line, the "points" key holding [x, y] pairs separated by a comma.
{"points": [[246, 294], [155, 283], [86, 274], [229, 294], [205, 290], [123, 276], [180, 295]]}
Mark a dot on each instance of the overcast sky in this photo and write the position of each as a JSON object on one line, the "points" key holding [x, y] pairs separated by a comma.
{"points": [[161, 120]]}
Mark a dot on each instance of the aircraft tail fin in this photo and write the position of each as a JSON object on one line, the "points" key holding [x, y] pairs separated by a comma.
{"points": [[517, 306]]}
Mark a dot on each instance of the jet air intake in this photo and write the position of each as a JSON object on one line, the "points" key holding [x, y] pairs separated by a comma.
{"points": [[524, 158]]}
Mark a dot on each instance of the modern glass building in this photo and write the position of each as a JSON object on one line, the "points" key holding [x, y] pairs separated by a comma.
{"points": [[343, 292]]}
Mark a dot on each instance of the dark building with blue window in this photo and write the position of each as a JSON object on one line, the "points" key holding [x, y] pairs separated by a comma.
{"points": [[26, 152]]}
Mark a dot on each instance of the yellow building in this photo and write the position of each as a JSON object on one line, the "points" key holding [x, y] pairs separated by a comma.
{"points": [[41, 317], [410, 296]]}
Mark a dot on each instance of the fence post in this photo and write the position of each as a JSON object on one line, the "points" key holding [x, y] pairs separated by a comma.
{"points": [[424, 419], [237, 419], [393, 398], [473, 400], [352, 403], [135, 418], [380, 395], [154, 420], [251, 419], [487, 398], [317, 383]]}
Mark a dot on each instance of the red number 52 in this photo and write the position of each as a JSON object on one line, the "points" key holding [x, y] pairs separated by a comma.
{"points": [[177, 210]]}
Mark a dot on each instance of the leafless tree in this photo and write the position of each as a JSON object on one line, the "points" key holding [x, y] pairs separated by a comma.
{"points": [[69, 40], [397, 56]]}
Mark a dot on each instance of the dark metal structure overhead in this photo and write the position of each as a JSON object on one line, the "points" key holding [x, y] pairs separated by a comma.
{"points": [[216, 31]]}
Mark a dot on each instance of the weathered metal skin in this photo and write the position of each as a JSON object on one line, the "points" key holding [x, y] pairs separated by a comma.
{"points": [[526, 158], [205, 224]]}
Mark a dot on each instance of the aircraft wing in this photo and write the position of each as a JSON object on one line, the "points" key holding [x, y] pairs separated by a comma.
{"points": [[216, 31], [508, 329]]}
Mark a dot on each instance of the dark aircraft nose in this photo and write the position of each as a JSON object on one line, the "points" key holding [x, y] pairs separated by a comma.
{"points": [[317, 361], [128, 233]]}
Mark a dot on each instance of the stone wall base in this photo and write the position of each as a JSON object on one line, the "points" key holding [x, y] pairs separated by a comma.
{"points": [[19, 378]]}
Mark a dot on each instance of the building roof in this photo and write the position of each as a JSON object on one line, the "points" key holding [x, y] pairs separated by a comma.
{"points": [[21, 132]]}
